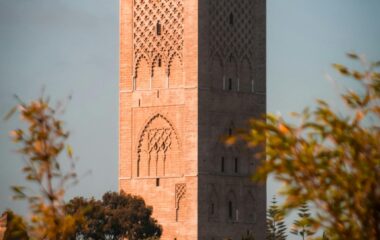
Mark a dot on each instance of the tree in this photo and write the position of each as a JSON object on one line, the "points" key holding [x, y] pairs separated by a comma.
{"points": [[94, 214], [42, 143], [329, 159], [15, 227], [302, 226], [116, 216], [275, 222]]}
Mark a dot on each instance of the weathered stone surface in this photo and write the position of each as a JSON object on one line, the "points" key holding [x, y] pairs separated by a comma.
{"points": [[190, 72]]}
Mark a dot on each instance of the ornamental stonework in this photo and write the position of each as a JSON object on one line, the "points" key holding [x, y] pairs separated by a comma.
{"points": [[232, 24], [180, 191], [158, 149], [158, 27]]}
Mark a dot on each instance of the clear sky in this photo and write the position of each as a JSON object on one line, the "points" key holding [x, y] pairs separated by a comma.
{"points": [[71, 48]]}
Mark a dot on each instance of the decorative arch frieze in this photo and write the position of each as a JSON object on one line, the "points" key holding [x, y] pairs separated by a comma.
{"points": [[143, 73], [158, 28], [232, 34], [246, 75], [217, 72], [175, 71]]}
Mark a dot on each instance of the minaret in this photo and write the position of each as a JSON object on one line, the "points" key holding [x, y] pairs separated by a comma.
{"points": [[192, 71]]}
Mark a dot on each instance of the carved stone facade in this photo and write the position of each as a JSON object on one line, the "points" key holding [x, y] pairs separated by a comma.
{"points": [[158, 149], [232, 31], [190, 72], [158, 43]]}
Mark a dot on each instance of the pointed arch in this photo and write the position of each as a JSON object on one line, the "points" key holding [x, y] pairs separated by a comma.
{"points": [[245, 76], [175, 72], [159, 76], [217, 76], [142, 74], [158, 150], [232, 83]]}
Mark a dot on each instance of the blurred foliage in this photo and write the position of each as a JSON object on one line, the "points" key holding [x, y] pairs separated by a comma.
{"points": [[15, 227], [303, 225], [42, 143], [276, 228], [329, 160], [116, 216]]}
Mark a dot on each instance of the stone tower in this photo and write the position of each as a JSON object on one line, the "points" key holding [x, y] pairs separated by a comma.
{"points": [[192, 71]]}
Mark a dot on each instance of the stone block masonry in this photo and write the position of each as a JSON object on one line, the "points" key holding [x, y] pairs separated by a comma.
{"points": [[192, 71]]}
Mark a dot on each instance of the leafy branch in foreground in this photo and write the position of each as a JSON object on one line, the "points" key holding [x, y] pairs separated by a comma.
{"points": [[329, 160], [42, 143]]}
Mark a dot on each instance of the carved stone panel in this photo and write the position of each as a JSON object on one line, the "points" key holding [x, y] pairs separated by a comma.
{"points": [[158, 27]]}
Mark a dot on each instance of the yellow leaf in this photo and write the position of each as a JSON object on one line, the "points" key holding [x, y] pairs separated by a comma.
{"points": [[38, 146], [230, 141], [359, 116], [283, 128], [342, 69], [69, 151], [357, 75]]}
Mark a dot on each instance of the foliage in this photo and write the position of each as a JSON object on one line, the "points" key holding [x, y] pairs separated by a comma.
{"points": [[114, 217], [329, 160], [42, 142], [325, 236], [93, 211], [15, 227], [302, 226], [276, 229]]}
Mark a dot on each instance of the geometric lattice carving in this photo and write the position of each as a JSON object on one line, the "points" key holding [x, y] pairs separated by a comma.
{"points": [[180, 191], [232, 26], [158, 27], [159, 141], [231, 44], [157, 148]]}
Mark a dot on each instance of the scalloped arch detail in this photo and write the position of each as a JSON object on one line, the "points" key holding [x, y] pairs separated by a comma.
{"points": [[158, 150]]}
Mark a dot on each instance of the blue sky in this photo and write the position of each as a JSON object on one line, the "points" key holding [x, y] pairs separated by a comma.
{"points": [[71, 48]]}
